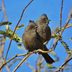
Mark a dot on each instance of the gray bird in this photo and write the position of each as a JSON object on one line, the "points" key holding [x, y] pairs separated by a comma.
{"points": [[43, 28], [32, 41]]}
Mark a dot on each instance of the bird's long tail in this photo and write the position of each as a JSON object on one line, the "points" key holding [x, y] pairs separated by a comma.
{"points": [[47, 58]]}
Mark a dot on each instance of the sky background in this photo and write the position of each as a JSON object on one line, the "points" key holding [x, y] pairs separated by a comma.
{"points": [[33, 12]]}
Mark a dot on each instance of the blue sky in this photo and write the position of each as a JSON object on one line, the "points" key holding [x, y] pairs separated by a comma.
{"points": [[37, 7]]}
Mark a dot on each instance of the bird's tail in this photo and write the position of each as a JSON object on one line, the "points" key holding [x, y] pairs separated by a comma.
{"points": [[47, 58]]}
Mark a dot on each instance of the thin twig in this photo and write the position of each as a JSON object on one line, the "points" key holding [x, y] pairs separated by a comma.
{"points": [[68, 20], [61, 14], [31, 67], [4, 10], [7, 68], [64, 64], [18, 24], [7, 27], [6, 18], [39, 63], [65, 45], [22, 61], [54, 44], [2, 42], [17, 55], [14, 61], [5, 14]]}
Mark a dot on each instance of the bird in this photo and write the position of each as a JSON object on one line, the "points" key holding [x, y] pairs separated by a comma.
{"points": [[32, 41], [43, 28]]}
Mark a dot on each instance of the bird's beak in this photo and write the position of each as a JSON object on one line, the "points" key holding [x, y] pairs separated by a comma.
{"points": [[49, 20]]}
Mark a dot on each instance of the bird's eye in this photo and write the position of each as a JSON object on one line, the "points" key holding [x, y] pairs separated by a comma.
{"points": [[44, 18]]}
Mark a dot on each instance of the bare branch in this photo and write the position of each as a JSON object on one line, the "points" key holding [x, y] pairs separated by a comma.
{"points": [[65, 45], [64, 64], [14, 61], [22, 61], [7, 68], [17, 55], [54, 44], [4, 10], [5, 14], [18, 24], [31, 67], [68, 19], [61, 10]]}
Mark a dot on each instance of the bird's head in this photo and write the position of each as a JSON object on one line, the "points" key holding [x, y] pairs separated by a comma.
{"points": [[44, 19], [32, 25]]}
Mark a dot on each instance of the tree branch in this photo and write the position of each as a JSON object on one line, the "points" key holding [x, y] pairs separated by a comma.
{"points": [[18, 24]]}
